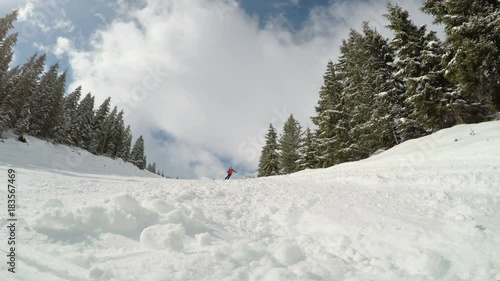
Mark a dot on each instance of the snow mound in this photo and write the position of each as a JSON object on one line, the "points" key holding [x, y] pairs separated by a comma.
{"points": [[204, 239], [161, 237], [192, 225], [158, 205], [124, 217], [126, 203], [288, 253], [52, 203]]}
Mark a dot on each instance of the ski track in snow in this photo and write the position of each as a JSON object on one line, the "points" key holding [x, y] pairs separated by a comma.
{"points": [[378, 219]]}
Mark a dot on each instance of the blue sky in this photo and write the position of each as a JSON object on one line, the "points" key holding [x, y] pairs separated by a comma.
{"points": [[295, 12], [200, 79]]}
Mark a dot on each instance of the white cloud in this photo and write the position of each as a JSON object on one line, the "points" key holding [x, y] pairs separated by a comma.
{"points": [[26, 11], [64, 25], [47, 15], [209, 75], [42, 47], [62, 46]]}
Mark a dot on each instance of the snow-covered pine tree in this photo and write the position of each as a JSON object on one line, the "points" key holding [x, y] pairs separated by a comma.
{"points": [[407, 44], [365, 71], [44, 103], [98, 132], [55, 122], [69, 114], [289, 144], [348, 71], [23, 123], [473, 35], [81, 125], [19, 97], [323, 119], [430, 101], [443, 103], [137, 156], [118, 132], [269, 159], [308, 152], [331, 120], [107, 142], [379, 128], [7, 42], [125, 145], [7, 82]]}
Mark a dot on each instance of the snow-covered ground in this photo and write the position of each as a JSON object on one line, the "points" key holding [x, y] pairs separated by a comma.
{"points": [[61, 159], [428, 209]]}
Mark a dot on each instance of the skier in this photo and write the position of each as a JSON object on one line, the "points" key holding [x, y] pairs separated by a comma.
{"points": [[229, 173]]}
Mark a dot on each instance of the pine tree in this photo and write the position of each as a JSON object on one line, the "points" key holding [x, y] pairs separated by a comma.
{"points": [[7, 42], [107, 141], [98, 133], [473, 33], [378, 131], [23, 123], [125, 145], [407, 45], [365, 71], [151, 167], [430, 101], [118, 132], [137, 156], [308, 152], [443, 103], [15, 108], [269, 159], [7, 82], [55, 124], [81, 125], [69, 114], [289, 145], [331, 119], [45, 103]]}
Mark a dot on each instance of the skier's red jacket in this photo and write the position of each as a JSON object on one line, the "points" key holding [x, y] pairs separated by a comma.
{"points": [[230, 171]]}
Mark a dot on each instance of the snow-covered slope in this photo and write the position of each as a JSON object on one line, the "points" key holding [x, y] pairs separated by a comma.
{"points": [[41, 155], [428, 209]]}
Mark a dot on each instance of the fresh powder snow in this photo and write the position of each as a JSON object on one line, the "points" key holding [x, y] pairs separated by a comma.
{"points": [[428, 209]]}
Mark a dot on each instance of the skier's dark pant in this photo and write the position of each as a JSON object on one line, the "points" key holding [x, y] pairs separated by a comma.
{"points": [[228, 176]]}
